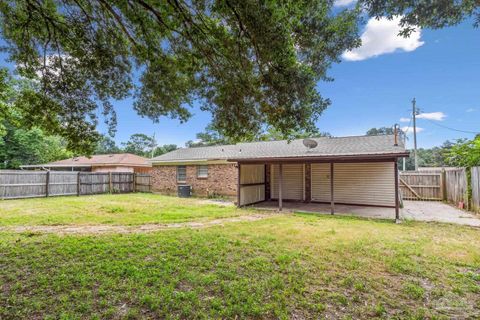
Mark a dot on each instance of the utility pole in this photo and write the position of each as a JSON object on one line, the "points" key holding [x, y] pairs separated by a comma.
{"points": [[154, 144], [414, 114], [405, 146]]}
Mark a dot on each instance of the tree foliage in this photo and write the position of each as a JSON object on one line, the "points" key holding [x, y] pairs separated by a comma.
{"points": [[140, 144], [106, 145], [248, 62], [212, 137], [380, 131], [426, 14], [464, 153], [164, 149], [20, 146]]}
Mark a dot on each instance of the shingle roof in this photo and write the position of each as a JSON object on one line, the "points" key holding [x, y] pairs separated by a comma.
{"points": [[327, 147], [120, 159]]}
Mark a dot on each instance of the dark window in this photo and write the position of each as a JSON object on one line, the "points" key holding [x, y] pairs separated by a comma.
{"points": [[202, 171], [181, 173]]}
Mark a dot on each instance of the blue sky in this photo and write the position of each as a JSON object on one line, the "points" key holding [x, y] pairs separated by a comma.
{"points": [[440, 68], [442, 74]]}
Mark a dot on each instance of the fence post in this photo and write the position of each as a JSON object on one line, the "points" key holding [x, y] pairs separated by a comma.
{"points": [[110, 182], [444, 184], [134, 182], [47, 183], [78, 183]]}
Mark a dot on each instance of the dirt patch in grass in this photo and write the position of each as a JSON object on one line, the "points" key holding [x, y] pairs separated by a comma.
{"points": [[121, 229]]}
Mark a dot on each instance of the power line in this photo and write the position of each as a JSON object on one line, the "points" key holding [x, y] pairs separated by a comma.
{"points": [[453, 129]]}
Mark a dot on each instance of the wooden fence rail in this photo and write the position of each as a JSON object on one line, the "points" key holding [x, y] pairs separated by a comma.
{"points": [[31, 184]]}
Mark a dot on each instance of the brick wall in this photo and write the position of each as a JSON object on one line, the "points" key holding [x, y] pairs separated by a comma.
{"points": [[221, 180]]}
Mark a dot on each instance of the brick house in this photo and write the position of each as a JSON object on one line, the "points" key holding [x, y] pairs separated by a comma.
{"points": [[359, 170]]}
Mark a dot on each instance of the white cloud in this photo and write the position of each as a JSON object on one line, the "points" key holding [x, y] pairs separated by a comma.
{"points": [[343, 3], [437, 116], [471, 110], [409, 130], [381, 37], [404, 119]]}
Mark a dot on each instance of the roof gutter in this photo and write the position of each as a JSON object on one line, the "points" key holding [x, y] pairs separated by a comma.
{"points": [[366, 157]]}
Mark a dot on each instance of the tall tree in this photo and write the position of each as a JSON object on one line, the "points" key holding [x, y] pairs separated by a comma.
{"points": [[106, 145], [248, 62], [164, 149], [140, 144], [21, 147], [379, 131]]}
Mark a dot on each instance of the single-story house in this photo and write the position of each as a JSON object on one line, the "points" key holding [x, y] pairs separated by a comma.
{"points": [[359, 170], [121, 162]]}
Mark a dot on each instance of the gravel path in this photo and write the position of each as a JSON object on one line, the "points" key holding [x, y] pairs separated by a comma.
{"points": [[123, 229]]}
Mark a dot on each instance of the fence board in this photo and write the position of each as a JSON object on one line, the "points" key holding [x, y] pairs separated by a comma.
{"points": [[143, 182], [30, 184], [475, 182], [421, 185], [456, 186]]}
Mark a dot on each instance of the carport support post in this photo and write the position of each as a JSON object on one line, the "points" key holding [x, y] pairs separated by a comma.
{"points": [[280, 187], [239, 184], [332, 196], [397, 200]]}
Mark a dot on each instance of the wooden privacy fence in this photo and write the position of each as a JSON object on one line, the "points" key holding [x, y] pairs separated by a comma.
{"points": [[475, 182], [422, 185], [31, 184], [457, 186], [451, 185]]}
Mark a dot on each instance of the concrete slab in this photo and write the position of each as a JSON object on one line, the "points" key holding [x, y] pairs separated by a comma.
{"points": [[439, 212], [413, 210], [340, 209]]}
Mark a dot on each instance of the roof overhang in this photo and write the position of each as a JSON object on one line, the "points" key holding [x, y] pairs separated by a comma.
{"points": [[328, 158], [56, 166]]}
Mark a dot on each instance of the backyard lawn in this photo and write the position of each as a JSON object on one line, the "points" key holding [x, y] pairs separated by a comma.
{"points": [[117, 209], [287, 266]]}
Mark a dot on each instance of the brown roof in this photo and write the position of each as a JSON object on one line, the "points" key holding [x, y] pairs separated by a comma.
{"points": [[120, 159]]}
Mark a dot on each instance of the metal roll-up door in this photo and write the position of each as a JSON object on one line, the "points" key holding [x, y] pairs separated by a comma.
{"points": [[293, 182], [367, 183], [320, 179]]}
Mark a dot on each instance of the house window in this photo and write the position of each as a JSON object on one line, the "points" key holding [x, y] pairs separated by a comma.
{"points": [[181, 173], [202, 171]]}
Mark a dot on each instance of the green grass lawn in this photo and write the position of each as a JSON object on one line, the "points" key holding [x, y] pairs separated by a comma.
{"points": [[119, 209], [287, 266]]}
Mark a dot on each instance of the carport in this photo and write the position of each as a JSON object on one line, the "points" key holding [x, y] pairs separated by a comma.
{"points": [[311, 180]]}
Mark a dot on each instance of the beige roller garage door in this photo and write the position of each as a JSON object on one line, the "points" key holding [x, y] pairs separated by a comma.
{"points": [[293, 182], [370, 183], [320, 182]]}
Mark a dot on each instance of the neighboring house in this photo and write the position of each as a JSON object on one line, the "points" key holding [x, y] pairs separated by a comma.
{"points": [[364, 170], [121, 162]]}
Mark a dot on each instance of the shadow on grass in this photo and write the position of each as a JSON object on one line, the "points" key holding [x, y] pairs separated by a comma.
{"points": [[344, 217]]}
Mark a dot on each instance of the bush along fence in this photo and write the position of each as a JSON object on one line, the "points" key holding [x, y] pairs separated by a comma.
{"points": [[32, 184], [459, 186]]}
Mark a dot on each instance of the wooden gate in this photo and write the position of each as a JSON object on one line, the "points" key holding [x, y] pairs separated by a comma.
{"points": [[422, 185]]}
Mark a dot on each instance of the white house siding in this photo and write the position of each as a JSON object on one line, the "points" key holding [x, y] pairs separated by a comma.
{"points": [[249, 174], [368, 183], [293, 182]]}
